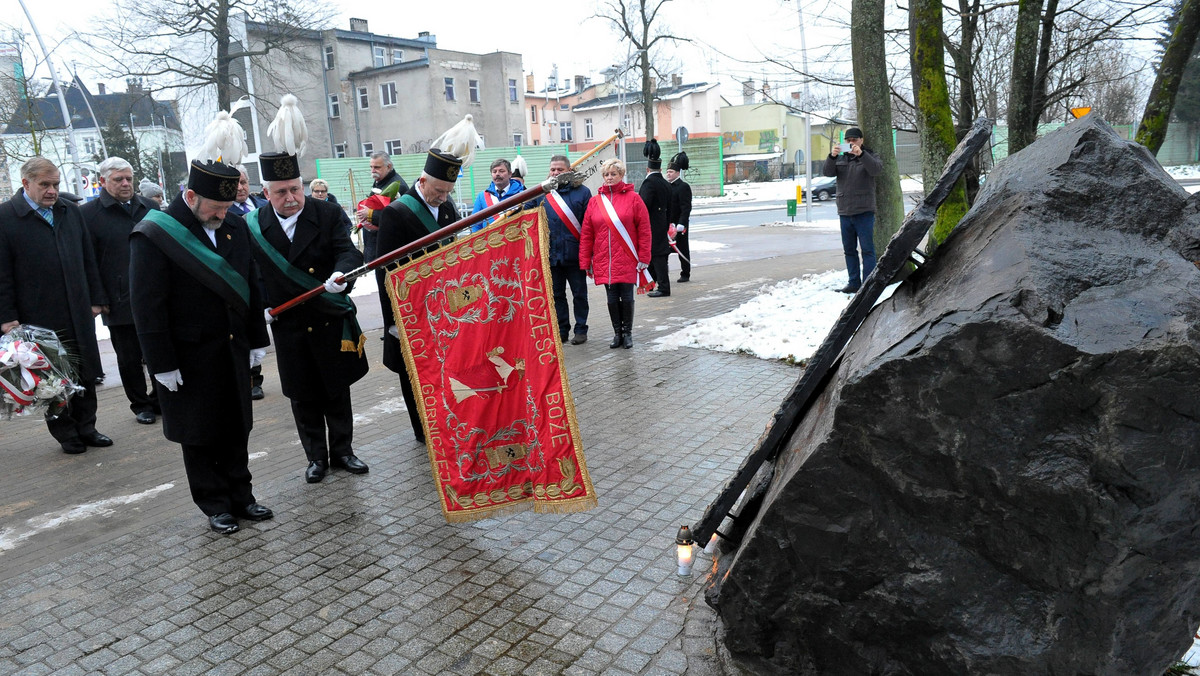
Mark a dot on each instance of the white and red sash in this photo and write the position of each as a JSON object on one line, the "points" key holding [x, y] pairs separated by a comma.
{"points": [[645, 281], [490, 199], [564, 212]]}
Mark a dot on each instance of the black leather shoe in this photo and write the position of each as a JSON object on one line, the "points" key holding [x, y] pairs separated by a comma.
{"points": [[657, 294], [223, 524], [73, 447], [848, 289], [627, 340], [579, 339], [350, 463], [146, 418], [256, 512], [256, 393], [616, 341], [95, 439], [315, 472], [682, 280]]}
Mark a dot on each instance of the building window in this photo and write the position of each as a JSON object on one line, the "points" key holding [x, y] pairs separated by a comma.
{"points": [[387, 94], [380, 52], [564, 106], [328, 57], [339, 150], [335, 106], [394, 147], [89, 145], [449, 88], [517, 139], [627, 123], [512, 91], [564, 132], [364, 100], [397, 55], [716, 118], [367, 149], [473, 90], [587, 129], [533, 113]]}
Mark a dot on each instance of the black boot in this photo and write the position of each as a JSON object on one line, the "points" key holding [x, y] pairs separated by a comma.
{"points": [[627, 324], [614, 313]]}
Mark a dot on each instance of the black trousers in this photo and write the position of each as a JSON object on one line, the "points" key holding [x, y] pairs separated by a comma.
{"points": [[219, 476], [133, 375], [79, 418], [560, 277], [314, 418], [685, 268], [660, 273], [410, 403]]}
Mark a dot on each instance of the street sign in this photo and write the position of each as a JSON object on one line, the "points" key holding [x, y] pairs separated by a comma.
{"points": [[681, 135], [1081, 111]]}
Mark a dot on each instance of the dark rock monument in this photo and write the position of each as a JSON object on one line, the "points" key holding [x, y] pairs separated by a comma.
{"points": [[1003, 475]]}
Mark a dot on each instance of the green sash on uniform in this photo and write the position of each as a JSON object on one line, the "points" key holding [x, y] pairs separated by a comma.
{"points": [[420, 211], [206, 265], [353, 339]]}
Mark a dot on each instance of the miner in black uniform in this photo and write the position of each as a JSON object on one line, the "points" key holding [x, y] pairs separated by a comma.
{"points": [[656, 193], [681, 212], [319, 347], [425, 208], [199, 318]]}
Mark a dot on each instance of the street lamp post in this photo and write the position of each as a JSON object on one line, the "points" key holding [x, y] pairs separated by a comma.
{"points": [[62, 97]]}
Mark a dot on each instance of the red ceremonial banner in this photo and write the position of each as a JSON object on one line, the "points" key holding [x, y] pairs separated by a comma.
{"points": [[481, 346]]}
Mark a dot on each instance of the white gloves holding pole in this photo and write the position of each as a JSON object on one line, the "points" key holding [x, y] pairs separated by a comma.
{"points": [[170, 380], [332, 285]]}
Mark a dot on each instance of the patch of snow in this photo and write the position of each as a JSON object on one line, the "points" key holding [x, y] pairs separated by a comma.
{"points": [[703, 245]]}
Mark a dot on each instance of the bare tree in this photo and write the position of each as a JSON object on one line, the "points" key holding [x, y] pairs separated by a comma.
{"points": [[873, 94], [638, 22], [19, 92], [187, 45]]}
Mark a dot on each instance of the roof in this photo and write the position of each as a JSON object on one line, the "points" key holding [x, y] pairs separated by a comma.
{"points": [[422, 62], [752, 157], [140, 104], [632, 98]]}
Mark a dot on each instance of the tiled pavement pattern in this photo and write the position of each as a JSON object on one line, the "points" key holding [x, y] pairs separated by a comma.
{"points": [[360, 574]]}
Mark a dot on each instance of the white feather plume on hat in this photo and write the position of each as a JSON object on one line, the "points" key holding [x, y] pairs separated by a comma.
{"points": [[461, 140], [288, 130], [224, 140], [519, 167]]}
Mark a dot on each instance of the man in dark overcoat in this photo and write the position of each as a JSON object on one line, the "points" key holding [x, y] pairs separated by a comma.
{"points": [[199, 317], [384, 173], [299, 243], [110, 218], [656, 193], [49, 278], [423, 209]]}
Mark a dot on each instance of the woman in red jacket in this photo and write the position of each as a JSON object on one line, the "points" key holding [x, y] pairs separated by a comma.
{"points": [[614, 246]]}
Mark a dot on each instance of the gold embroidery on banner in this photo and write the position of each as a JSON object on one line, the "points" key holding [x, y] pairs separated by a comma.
{"points": [[503, 455], [463, 296]]}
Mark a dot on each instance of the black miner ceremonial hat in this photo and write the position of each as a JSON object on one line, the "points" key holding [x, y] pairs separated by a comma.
{"points": [[443, 166], [679, 162], [214, 180], [653, 154], [278, 166]]}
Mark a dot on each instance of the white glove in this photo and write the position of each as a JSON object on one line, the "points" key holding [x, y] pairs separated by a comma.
{"points": [[170, 380], [642, 266], [268, 317], [332, 286], [256, 356], [680, 229], [394, 332]]}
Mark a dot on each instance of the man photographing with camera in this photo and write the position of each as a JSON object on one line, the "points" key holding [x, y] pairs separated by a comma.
{"points": [[855, 169]]}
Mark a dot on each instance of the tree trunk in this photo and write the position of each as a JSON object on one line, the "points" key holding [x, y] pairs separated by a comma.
{"points": [[647, 95], [934, 121], [1153, 129], [875, 112], [1022, 119]]}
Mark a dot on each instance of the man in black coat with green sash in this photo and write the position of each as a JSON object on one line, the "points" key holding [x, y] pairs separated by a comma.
{"points": [[199, 317], [423, 209], [299, 244]]}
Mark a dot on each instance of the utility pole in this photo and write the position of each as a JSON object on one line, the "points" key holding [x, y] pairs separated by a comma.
{"points": [[62, 98], [807, 119]]}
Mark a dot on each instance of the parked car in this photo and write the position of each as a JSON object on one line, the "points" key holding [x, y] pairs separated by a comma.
{"points": [[823, 187]]}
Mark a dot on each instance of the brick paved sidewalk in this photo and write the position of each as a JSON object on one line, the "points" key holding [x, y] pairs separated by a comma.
{"points": [[108, 568]]}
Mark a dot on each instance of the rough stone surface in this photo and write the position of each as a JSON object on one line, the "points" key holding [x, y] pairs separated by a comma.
{"points": [[1003, 475]]}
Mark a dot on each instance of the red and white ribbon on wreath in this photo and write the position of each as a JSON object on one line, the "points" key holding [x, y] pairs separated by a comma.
{"points": [[26, 357], [645, 281]]}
